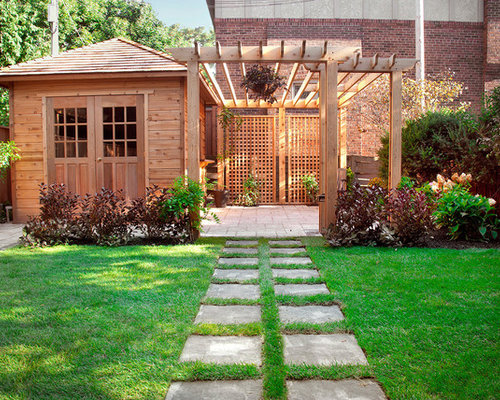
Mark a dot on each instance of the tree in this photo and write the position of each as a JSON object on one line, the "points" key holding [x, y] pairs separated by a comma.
{"points": [[24, 30]]}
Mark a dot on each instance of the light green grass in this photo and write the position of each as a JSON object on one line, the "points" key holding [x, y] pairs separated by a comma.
{"points": [[428, 319]]}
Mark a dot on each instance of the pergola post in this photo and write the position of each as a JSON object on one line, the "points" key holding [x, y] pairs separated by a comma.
{"points": [[395, 130], [329, 143], [343, 137], [193, 121]]}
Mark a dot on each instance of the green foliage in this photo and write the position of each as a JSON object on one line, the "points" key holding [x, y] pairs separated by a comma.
{"points": [[406, 182], [466, 216], [251, 193], [187, 198], [350, 178], [8, 154], [444, 141], [25, 35], [312, 187]]}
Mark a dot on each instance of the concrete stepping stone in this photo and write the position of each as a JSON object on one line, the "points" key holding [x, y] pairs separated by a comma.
{"points": [[335, 390], [239, 275], [209, 390], [323, 350], [242, 242], [226, 315], [239, 250], [239, 261], [285, 243], [310, 314], [295, 273], [223, 349], [287, 250], [233, 291], [301, 289], [290, 261]]}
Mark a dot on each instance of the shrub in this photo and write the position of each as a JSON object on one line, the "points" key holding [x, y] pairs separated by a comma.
{"points": [[104, 218], [410, 214], [185, 205], [251, 193], [447, 142], [58, 220], [147, 217], [8, 154], [378, 182], [361, 218], [350, 178], [466, 216], [311, 186]]}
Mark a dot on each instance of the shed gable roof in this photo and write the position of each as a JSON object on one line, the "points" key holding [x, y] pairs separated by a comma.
{"points": [[110, 56]]}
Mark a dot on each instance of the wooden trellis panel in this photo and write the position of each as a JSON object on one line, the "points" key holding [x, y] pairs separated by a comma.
{"points": [[252, 149], [302, 154]]}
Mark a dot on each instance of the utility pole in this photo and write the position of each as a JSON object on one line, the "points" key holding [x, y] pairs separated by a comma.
{"points": [[53, 18], [420, 49]]}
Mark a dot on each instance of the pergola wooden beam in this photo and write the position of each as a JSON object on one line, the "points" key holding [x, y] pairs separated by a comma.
{"points": [[214, 82], [369, 78], [289, 84], [303, 87], [229, 82]]}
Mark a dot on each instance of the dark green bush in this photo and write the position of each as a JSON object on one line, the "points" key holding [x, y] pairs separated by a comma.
{"points": [[449, 142]]}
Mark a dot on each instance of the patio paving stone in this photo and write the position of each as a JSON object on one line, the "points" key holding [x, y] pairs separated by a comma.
{"points": [[233, 291], [310, 314], [209, 390], [290, 260], [287, 251], [239, 250], [238, 261], [335, 390], [295, 273], [242, 242], [223, 349], [226, 315], [239, 275], [301, 289], [285, 242], [323, 350]]}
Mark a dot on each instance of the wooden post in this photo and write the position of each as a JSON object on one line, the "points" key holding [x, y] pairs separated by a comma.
{"points": [[282, 155], [322, 148], [395, 131], [193, 121], [221, 185], [331, 188], [343, 137]]}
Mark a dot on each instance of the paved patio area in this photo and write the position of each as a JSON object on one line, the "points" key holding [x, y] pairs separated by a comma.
{"points": [[9, 235], [264, 221]]}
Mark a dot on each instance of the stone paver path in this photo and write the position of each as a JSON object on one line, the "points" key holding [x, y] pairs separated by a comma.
{"points": [[9, 235], [237, 275], [226, 315], [233, 291], [295, 273], [319, 349], [239, 261]]}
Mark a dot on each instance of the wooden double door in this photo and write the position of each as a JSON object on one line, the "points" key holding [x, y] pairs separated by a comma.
{"points": [[95, 142]]}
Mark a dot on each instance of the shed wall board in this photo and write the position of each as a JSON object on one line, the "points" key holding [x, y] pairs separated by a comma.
{"points": [[164, 127]]}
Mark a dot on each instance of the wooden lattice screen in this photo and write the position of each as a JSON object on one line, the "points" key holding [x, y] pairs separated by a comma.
{"points": [[252, 150], [254, 147], [302, 154]]}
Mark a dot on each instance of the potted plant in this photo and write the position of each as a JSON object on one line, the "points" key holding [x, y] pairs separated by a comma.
{"points": [[262, 82], [312, 187]]}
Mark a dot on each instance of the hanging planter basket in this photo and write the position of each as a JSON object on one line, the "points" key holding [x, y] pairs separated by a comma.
{"points": [[262, 82]]}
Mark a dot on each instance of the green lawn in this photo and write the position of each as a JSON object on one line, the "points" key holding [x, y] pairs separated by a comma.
{"points": [[428, 319], [98, 323], [83, 322]]}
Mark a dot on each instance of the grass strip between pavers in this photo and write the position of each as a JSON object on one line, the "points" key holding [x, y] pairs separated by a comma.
{"points": [[303, 281], [250, 329], [274, 386]]}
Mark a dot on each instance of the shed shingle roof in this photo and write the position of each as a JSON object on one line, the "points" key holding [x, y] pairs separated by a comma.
{"points": [[110, 56]]}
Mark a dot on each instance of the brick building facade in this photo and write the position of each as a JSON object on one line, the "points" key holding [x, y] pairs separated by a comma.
{"points": [[460, 35]]}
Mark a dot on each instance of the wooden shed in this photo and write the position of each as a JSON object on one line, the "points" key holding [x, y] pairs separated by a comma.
{"points": [[112, 114]]}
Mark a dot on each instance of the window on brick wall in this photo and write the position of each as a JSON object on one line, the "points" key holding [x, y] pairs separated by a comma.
{"points": [[310, 88]]}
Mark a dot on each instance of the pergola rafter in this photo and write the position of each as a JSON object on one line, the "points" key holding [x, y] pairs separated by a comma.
{"points": [[343, 73]]}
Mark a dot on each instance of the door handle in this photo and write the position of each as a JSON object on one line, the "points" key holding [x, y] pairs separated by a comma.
{"points": [[99, 159]]}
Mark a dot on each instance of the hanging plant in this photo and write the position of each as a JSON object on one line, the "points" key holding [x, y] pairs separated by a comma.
{"points": [[262, 82]]}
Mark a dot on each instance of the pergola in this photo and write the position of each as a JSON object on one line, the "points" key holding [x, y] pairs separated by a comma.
{"points": [[341, 74]]}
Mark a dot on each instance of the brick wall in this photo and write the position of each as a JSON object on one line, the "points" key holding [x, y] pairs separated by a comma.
{"points": [[492, 44], [459, 46]]}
